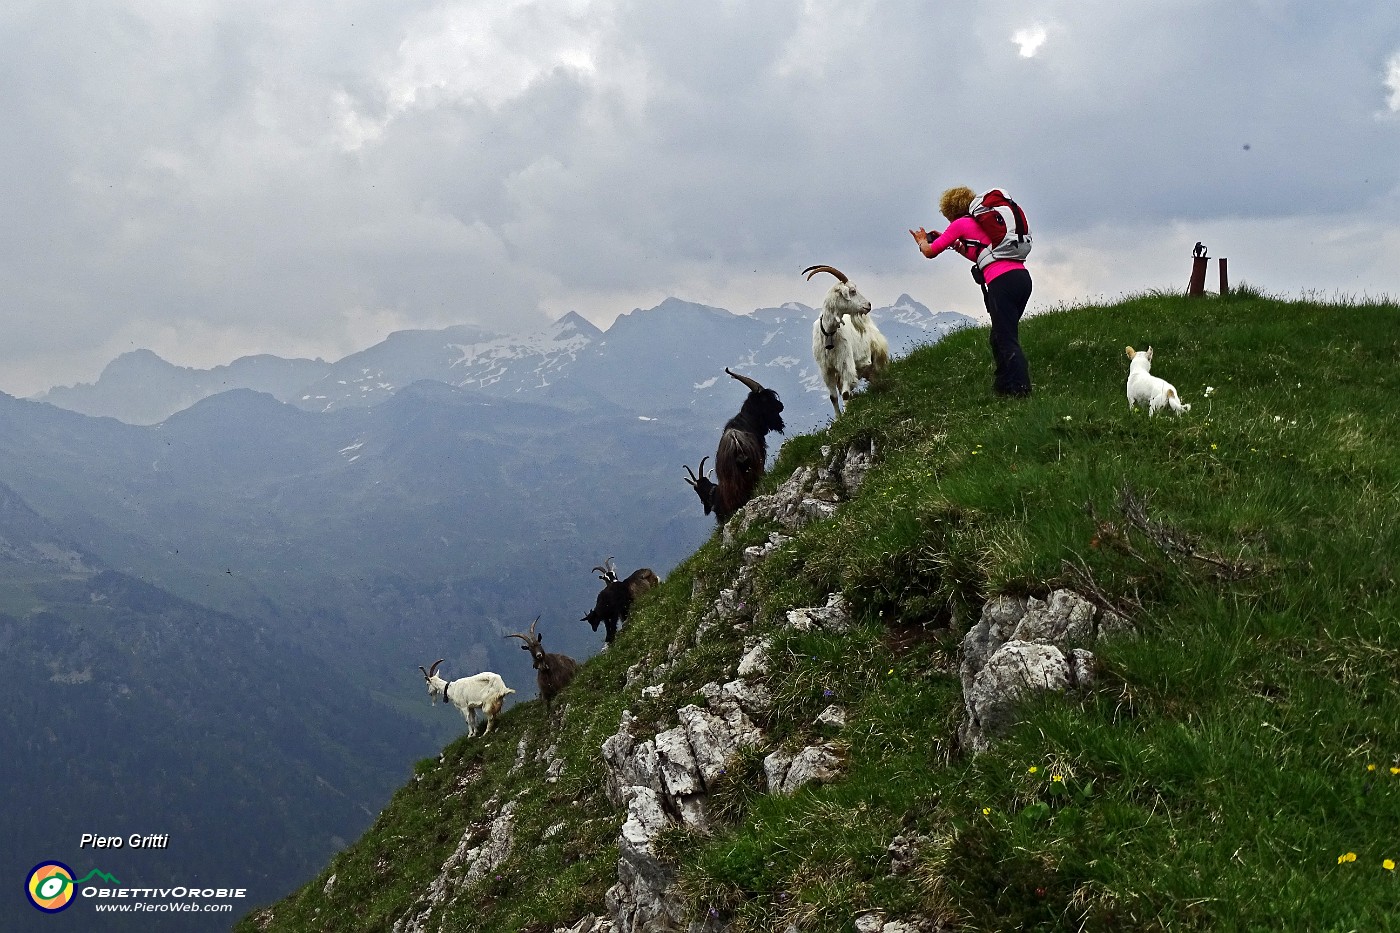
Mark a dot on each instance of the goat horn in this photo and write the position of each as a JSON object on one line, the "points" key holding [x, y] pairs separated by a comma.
{"points": [[527, 640], [813, 270], [428, 675], [751, 383], [693, 478]]}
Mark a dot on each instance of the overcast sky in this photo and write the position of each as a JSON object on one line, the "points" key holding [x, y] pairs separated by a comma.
{"points": [[214, 178]]}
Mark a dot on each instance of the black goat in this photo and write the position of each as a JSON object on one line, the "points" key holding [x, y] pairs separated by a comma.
{"points": [[743, 452], [552, 671], [704, 486], [615, 601]]}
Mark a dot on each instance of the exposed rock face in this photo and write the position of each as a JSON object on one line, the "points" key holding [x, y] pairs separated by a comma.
{"points": [[467, 865], [664, 780], [1022, 646], [589, 924], [835, 616], [788, 773], [874, 922], [810, 494]]}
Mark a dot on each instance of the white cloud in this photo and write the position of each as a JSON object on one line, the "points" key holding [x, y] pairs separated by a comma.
{"points": [[1029, 39], [1392, 83]]}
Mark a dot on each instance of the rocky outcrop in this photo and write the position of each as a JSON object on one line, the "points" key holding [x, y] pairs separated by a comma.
{"points": [[467, 864], [789, 772], [663, 780], [1022, 646], [810, 494]]}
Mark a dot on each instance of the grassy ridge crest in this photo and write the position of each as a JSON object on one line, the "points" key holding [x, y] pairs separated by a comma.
{"points": [[1235, 767]]}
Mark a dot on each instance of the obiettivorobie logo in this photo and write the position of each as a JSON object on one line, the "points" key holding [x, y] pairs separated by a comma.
{"points": [[51, 885]]}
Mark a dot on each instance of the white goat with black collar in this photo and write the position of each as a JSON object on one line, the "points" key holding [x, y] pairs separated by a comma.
{"points": [[846, 344], [485, 692]]}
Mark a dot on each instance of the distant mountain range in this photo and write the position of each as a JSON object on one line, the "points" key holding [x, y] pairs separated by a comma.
{"points": [[665, 358], [216, 586]]}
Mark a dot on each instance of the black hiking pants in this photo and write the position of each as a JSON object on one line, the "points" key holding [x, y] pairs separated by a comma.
{"points": [[1006, 297]]}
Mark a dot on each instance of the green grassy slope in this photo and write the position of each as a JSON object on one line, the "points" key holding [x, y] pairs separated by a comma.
{"points": [[1236, 767]]}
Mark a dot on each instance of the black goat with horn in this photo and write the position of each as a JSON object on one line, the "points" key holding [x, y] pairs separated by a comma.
{"points": [[743, 452], [552, 671], [615, 601]]}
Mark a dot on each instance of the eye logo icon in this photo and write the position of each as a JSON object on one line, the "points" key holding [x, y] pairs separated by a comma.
{"points": [[50, 886]]}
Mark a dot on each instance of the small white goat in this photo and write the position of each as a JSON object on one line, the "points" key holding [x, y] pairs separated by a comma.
{"points": [[846, 344], [485, 692]]}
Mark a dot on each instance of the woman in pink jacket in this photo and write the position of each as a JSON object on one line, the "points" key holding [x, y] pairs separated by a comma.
{"points": [[1005, 291]]}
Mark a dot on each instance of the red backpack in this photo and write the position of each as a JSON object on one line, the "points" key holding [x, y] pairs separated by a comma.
{"points": [[1004, 224]]}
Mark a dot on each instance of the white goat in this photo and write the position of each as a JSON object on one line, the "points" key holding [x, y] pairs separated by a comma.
{"points": [[846, 344], [485, 692]]}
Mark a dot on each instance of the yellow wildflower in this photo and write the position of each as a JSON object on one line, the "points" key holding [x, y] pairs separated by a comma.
{"points": [[986, 811], [1032, 769], [1388, 864]]}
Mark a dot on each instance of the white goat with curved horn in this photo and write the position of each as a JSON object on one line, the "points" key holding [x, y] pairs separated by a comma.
{"points": [[846, 344], [485, 692]]}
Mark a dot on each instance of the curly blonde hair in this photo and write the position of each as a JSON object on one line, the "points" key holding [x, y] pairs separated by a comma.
{"points": [[955, 202]]}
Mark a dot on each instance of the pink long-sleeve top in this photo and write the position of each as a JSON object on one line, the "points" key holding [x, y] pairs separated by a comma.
{"points": [[965, 228]]}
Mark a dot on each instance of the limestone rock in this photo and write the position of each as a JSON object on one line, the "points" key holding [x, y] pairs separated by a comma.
{"points": [[751, 697], [1016, 669], [1049, 638], [999, 618], [775, 769], [1082, 667], [755, 659], [711, 740], [815, 763], [679, 773], [1065, 619], [588, 924], [835, 616]]}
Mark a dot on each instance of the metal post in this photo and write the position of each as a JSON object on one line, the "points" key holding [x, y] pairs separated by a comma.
{"points": [[1224, 277], [1197, 286]]}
